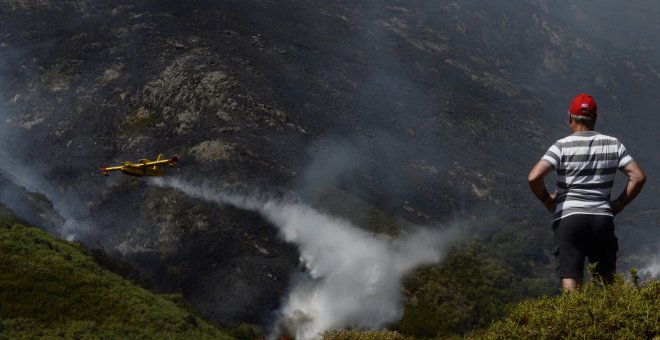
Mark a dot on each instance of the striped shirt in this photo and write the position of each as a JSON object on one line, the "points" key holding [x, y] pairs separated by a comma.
{"points": [[586, 163]]}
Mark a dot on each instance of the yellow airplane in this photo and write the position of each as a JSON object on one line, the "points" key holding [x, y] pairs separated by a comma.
{"points": [[143, 167]]}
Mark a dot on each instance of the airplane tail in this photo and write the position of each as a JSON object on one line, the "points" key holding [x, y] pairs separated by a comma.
{"points": [[170, 161]]}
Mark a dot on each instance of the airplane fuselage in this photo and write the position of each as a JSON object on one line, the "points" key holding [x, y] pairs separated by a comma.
{"points": [[143, 171], [144, 167]]}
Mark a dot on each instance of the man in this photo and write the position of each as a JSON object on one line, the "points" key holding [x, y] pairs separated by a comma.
{"points": [[586, 163]]}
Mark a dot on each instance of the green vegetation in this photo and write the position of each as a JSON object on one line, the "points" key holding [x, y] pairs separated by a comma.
{"points": [[474, 286], [245, 332], [622, 310], [479, 292], [54, 288]]}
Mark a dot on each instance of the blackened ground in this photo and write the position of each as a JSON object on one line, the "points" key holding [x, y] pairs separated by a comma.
{"points": [[431, 112]]}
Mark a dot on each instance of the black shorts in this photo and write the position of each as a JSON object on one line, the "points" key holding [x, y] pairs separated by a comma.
{"points": [[581, 236]]}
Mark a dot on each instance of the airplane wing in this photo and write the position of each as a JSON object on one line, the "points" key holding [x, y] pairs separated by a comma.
{"points": [[111, 168], [163, 161], [136, 165], [107, 169]]}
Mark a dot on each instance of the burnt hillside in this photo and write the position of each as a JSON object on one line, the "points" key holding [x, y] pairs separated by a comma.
{"points": [[428, 112]]}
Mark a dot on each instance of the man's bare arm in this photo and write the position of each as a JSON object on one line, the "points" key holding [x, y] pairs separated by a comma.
{"points": [[636, 180], [536, 183]]}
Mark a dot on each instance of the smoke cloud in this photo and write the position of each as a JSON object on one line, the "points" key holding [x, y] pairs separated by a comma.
{"points": [[74, 220], [653, 267], [352, 278]]}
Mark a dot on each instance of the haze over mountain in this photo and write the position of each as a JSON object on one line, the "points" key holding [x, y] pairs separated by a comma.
{"points": [[388, 114]]}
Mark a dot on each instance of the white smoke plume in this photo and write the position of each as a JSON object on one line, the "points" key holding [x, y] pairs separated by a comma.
{"points": [[353, 278], [73, 221], [653, 268]]}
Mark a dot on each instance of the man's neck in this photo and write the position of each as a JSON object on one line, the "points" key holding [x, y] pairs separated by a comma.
{"points": [[580, 128]]}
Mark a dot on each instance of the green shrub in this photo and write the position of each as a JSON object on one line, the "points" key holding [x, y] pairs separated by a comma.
{"points": [[621, 310], [245, 332], [49, 288], [472, 287]]}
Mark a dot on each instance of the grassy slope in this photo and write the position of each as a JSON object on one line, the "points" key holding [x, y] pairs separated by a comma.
{"points": [[50, 287], [622, 310]]}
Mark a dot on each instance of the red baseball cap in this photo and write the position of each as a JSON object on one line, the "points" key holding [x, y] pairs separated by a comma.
{"points": [[583, 105]]}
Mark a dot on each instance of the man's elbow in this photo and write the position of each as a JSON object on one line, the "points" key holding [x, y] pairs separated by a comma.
{"points": [[538, 173], [535, 176], [532, 178], [641, 179], [636, 174]]}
